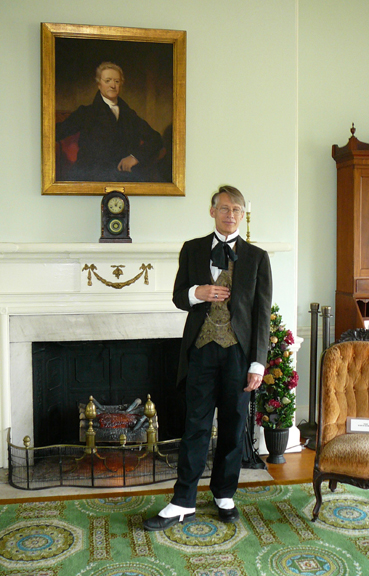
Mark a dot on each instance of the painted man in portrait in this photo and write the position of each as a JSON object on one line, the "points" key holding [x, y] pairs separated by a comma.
{"points": [[114, 143]]}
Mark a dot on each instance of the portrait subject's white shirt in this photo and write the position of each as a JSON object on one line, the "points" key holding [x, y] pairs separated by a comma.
{"points": [[113, 107]]}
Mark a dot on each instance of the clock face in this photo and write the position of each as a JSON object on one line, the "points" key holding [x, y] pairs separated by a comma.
{"points": [[116, 205], [115, 226]]}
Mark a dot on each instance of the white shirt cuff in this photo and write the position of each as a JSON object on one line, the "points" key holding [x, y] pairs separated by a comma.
{"points": [[256, 368], [191, 296]]}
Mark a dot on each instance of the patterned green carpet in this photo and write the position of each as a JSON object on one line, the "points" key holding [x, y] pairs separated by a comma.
{"points": [[274, 536]]}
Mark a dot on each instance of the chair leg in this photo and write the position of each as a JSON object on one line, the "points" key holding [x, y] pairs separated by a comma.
{"points": [[332, 485], [317, 483]]}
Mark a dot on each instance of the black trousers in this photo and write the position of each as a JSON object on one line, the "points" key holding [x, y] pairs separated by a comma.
{"points": [[216, 378]]}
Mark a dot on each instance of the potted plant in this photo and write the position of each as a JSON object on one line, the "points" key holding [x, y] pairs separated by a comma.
{"points": [[276, 400]]}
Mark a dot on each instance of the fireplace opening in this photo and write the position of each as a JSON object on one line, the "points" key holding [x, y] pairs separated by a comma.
{"points": [[66, 374]]}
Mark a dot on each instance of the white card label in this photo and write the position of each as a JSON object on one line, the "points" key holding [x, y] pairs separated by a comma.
{"points": [[357, 425]]}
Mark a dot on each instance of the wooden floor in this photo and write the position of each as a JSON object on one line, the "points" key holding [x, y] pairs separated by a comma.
{"points": [[298, 468]]}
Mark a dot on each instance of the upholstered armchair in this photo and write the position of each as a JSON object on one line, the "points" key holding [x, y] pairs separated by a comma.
{"points": [[344, 391]]}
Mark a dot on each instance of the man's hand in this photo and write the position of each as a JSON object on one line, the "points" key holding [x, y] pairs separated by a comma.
{"points": [[253, 381], [212, 293], [127, 163]]}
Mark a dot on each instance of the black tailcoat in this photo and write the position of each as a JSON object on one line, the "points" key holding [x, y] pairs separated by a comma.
{"points": [[250, 302]]}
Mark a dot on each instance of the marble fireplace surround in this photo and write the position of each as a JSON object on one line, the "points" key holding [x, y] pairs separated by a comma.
{"points": [[46, 295]]}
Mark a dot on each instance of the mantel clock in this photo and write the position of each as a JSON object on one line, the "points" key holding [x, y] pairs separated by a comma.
{"points": [[115, 218]]}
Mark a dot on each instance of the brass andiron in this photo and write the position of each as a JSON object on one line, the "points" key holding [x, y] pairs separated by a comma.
{"points": [[152, 439], [90, 434], [151, 435], [90, 412], [150, 412]]}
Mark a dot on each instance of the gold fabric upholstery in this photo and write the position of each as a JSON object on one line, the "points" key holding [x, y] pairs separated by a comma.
{"points": [[346, 454], [344, 391], [345, 387]]}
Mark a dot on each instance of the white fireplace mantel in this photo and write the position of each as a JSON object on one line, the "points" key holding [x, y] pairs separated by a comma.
{"points": [[49, 278], [73, 248], [45, 295]]}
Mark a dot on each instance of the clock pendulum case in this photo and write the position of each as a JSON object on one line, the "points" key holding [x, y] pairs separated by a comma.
{"points": [[115, 218]]}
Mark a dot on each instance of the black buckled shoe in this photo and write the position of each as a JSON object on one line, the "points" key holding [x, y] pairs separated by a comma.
{"points": [[230, 515], [159, 523]]}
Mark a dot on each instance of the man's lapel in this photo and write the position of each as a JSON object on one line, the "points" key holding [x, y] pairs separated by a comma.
{"points": [[242, 267], [203, 259]]}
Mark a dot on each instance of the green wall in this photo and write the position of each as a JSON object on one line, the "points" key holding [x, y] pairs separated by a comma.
{"points": [[241, 123], [333, 93]]}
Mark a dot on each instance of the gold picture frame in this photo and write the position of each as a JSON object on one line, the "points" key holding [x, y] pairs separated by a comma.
{"points": [[157, 61]]}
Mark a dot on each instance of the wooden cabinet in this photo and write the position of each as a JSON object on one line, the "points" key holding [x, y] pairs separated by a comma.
{"points": [[352, 286]]}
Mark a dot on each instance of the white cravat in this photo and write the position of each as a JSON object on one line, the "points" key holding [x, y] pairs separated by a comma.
{"points": [[215, 271], [115, 109]]}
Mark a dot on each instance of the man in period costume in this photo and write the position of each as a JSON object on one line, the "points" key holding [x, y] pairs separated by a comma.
{"points": [[225, 285]]}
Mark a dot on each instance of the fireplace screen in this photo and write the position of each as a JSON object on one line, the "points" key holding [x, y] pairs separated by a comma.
{"points": [[110, 467]]}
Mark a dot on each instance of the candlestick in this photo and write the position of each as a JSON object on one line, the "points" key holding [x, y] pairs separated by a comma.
{"points": [[248, 226]]}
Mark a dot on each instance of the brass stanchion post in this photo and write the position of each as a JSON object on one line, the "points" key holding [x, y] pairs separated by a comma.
{"points": [[308, 429], [326, 315]]}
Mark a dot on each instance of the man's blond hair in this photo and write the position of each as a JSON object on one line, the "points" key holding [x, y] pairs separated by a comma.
{"points": [[233, 193], [108, 66]]}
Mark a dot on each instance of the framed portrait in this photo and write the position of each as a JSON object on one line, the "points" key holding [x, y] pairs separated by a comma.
{"points": [[113, 110]]}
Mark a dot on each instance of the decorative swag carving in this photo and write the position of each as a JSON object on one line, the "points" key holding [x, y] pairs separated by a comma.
{"points": [[117, 272]]}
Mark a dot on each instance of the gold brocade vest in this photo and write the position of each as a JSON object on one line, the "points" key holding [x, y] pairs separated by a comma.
{"points": [[217, 325]]}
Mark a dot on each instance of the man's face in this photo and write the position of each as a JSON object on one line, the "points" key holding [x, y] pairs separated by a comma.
{"points": [[227, 215], [110, 83]]}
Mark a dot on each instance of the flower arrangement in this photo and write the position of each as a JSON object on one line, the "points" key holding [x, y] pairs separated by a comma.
{"points": [[275, 400]]}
